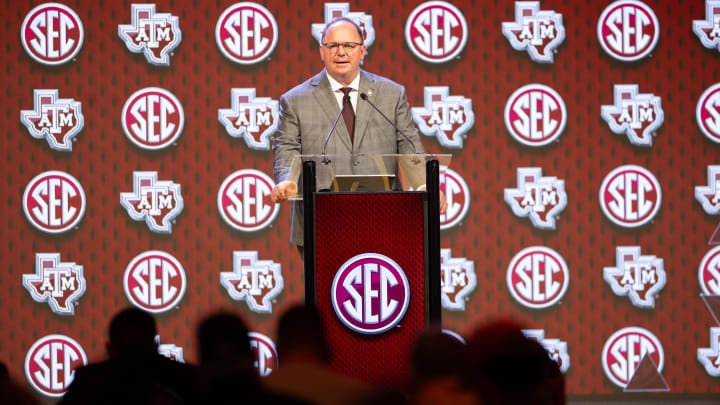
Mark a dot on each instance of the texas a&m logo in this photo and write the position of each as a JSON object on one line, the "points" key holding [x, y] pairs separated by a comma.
{"points": [[156, 202], [540, 198], [445, 116], [556, 348], [337, 10], [457, 280], [538, 32], [257, 282], [709, 272], [58, 120], [709, 196], [709, 357], [707, 113], [457, 195], [624, 350], [640, 277], [264, 353], [244, 200], [246, 33], [54, 202], [535, 115], [708, 30], [58, 283], [628, 30], [152, 118], [154, 281], [370, 293], [537, 277], [153, 34], [630, 196], [251, 118], [637, 115], [52, 33], [169, 350], [51, 362], [436, 31]]}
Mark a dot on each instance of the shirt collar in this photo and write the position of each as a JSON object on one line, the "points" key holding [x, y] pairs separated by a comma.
{"points": [[336, 86]]}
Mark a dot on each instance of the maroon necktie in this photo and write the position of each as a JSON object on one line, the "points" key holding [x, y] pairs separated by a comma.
{"points": [[348, 113]]}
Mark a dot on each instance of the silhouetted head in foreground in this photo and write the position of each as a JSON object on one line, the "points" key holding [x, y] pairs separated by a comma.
{"points": [[301, 335], [505, 367], [132, 332]]}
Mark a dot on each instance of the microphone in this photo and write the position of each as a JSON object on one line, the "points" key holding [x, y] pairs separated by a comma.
{"points": [[365, 97], [346, 100]]}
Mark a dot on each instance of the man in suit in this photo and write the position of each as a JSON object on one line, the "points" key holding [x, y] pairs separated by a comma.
{"points": [[308, 111]]}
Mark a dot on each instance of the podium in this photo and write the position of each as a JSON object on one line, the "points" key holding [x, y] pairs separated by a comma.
{"points": [[372, 256]]}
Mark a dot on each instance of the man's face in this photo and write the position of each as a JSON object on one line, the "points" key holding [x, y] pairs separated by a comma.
{"points": [[342, 65]]}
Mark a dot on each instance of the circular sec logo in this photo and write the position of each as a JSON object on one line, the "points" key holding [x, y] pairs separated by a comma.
{"points": [[152, 118], [709, 272], [54, 202], [370, 293], [264, 354], [624, 351], [707, 113], [244, 200], [630, 196], [246, 33], [535, 115], [538, 277], [51, 362], [436, 31], [457, 195], [52, 33], [154, 281], [628, 30]]}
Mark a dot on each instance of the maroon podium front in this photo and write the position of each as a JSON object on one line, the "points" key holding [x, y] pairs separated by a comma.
{"points": [[373, 271]]}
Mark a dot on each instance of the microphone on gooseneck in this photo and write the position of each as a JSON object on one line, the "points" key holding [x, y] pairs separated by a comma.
{"points": [[346, 101], [365, 97]]}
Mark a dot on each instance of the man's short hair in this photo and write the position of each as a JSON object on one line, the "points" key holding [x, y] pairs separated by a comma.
{"points": [[342, 19]]}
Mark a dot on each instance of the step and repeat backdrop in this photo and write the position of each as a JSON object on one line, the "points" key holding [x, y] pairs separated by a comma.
{"points": [[584, 190]]}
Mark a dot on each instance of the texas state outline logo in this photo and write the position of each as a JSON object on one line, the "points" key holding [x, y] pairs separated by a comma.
{"points": [[337, 10], [58, 283], [251, 118], [537, 197], [709, 196], [156, 35], [447, 117], [457, 280], [637, 115], [708, 30], [257, 282], [56, 119], [155, 202], [539, 32], [639, 277]]}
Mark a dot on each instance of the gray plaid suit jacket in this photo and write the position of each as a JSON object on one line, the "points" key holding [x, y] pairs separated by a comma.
{"points": [[307, 113]]}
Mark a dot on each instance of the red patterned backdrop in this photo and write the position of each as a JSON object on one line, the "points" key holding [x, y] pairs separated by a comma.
{"points": [[104, 74]]}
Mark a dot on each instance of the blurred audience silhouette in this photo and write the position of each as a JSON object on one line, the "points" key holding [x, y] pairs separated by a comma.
{"points": [[305, 371], [134, 372], [499, 365], [503, 366]]}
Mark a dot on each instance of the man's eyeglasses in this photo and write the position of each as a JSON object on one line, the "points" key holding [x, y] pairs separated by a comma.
{"points": [[348, 46]]}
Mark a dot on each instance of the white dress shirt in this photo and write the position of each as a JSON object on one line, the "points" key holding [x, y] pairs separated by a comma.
{"points": [[354, 85]]}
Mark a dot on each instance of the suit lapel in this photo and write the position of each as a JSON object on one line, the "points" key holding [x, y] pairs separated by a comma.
{"points": [[364, 110], [324, 95]]}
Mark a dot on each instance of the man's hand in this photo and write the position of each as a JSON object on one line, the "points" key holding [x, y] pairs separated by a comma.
{"points": [[443, 202], [284, 190]]}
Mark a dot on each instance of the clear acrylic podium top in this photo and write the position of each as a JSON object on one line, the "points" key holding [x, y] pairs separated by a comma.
{"points": [[365, 173]]}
